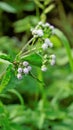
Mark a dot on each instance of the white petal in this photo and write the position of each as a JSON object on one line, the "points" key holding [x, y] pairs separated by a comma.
{"points": [[44, 46], [19, 70], [19, 76], [25, 71], [25, 63]]}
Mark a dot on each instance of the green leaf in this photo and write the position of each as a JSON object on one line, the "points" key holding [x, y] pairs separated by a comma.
{"points": [[6, 79], [4, 56], [46, 2], [39, 4], [49, 8], [33, 59], [55, 114], [41, 120], [3, 66], [65, 42], [29, 6], [56, 41], [6, 7], [25, 24]]}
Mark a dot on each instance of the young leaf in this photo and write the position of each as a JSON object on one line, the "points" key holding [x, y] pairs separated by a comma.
{"points": [[3, 66], [4, 56], [49, 8], [6, 7], [6, 79]]}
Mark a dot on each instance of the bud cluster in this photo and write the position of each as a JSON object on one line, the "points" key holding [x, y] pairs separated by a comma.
{"points": [[25, 68], [47, 43], [44, 31], [48, 60], [40, 29]]}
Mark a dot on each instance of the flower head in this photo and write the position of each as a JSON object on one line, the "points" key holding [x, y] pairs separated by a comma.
{"points": [[52, 62], [44, 68], [19, 70], [25, 71], [44, 46], [29, 68], [19, 76], [53, 56], [25, 63], [47, 25], [48, 42], [40, 23], [39, 32]]}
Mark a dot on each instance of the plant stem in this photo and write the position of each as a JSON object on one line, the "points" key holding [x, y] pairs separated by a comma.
{"points": [[65, 42], [27, 52], [26, 45]]}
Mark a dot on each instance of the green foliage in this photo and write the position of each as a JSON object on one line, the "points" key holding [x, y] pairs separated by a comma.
{"points": [[20, 25], [40, 101], [6, 78]]}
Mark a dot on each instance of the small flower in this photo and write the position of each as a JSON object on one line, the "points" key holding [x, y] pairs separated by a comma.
{"points": [[25, 63], [25, 71], [47, 25], [39, 32], [53, 56], [47, 41], [19, 70], [40, 23], [52, 27], [44, 46], [45, 56], [29, 68], [19, 76], [52, 62], [34, 31], [44, 68]]}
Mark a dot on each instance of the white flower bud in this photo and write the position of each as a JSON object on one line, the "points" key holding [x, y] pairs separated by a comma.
{"points": [[53, 56], [19, 76], [44, 46], [29, 68], [44, 68], [39, 32], [47, 41], [34, 31], [47, 25], [25, 63], [52, 27], [40, 23], [50, 44], [52, 62], [19, 70], [25, 71], [43, 25]]}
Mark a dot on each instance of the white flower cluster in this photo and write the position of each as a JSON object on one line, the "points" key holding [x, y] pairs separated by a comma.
{"points": [[47, 43], [52, 59], [44, 31], [38, 31], [51, 27], [25, 69]]}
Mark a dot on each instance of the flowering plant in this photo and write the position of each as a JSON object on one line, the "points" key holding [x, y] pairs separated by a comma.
{"points": [[39, 45]]}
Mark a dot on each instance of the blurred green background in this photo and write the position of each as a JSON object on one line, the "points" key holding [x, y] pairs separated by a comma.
{"points": [[27, 105]]}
